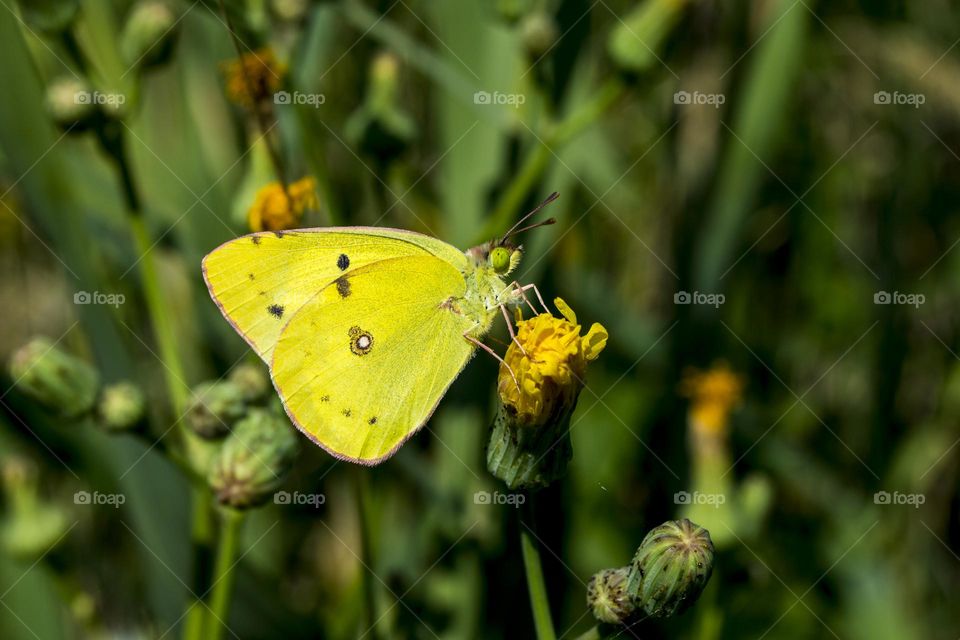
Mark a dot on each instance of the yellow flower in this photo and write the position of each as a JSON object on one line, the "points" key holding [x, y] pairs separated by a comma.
{"points": [[258, 73], [713, 394], [551, 373], [276, 210]]}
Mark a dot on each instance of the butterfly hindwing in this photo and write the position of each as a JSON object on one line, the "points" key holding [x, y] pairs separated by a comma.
{"points": [[261, 280], [361, 366]]}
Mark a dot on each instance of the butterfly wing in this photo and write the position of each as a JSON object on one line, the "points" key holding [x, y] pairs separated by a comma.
{"points": [[260, 281], [361, 366]]}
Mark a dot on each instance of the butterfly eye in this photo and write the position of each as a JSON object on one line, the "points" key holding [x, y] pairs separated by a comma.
{"points": [[500, 259]]}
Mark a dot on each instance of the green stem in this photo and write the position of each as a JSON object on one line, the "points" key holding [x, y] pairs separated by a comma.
{"points": [[538, 158], [223, 572], [371, 620], [536, 584]]}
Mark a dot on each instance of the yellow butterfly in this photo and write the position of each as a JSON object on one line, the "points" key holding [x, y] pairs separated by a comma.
{"points": [[364, 328]]}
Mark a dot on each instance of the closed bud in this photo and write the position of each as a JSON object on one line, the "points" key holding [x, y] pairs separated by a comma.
{"points": [[671, 568], [214, 407], [607, 596], [59, 381], [252, 381], [253, 460], [122, 406], [539, 33], [69, 102], [149, 34]]}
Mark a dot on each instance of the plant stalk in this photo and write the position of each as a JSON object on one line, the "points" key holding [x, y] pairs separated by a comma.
{"points": [[231, 522], [536, 585]]}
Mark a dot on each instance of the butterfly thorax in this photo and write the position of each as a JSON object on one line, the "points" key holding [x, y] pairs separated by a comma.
{"points": [[485, 291]]}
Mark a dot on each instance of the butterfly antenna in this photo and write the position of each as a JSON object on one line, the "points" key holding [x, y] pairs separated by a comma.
{"points": [[515, 228]]}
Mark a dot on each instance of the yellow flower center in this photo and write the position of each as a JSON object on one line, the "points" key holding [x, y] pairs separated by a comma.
{"points": [[551, 373], [713, 394], [274, 209]]}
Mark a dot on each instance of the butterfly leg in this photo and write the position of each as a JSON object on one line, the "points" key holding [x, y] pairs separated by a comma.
{"points": [[522, 289], [472, 340], [513, 336]]}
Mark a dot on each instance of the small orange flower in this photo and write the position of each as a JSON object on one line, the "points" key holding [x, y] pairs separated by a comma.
{"points": [[713, 394], [551, 373], [253, 78], [274, 209]]}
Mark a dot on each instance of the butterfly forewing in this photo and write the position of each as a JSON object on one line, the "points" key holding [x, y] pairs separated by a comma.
{"points": [[362, 366], [261, 280]]}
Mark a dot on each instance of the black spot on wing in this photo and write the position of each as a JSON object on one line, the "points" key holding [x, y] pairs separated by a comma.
{"points": [[251, 276], [343, 262], [346, 413], [275, 310], [372, 420], [343, 286], [324, 398], [255, 239]]}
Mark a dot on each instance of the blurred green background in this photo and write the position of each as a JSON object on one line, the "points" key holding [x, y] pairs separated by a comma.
{"points": [[790, 168]]}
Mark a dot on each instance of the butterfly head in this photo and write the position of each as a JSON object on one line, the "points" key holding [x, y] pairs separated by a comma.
{"points": [[502, 255], [504, 258]]}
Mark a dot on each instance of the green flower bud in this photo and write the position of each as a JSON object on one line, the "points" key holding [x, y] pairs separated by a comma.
{"points": [[512, 10], [539, 33], [634, 40], [214, 407], [149, 34], [57, 380], [31, 527], [671, 568], [251, 463], [380, 127], [122, 406], [607, 596], [49, 16], [252, 381], [290, 10], [69, 103]]}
